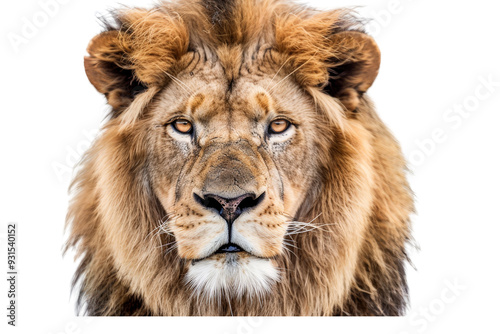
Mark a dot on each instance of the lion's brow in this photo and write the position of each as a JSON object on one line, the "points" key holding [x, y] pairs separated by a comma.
{"points": [[195, 102], [263, 101]]}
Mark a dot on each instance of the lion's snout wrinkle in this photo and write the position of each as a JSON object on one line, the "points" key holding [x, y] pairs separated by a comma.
{"points": [[231, 170], [229, 179]]}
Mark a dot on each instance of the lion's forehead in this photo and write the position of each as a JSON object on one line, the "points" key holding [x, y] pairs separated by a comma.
{"points": [[254, 93]]}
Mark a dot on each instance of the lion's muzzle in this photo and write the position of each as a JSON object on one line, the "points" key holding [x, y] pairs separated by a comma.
{"points": [[230, 208]]}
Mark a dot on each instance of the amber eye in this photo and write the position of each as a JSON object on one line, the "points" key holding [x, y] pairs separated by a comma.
{"points": [[279, 126], [183, 126]]}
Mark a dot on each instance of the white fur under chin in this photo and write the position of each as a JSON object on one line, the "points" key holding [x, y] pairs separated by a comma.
{"points": [[232, 275]]}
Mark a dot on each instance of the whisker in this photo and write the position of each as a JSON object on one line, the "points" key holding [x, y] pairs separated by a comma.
{"points": [[167, 244], [292, 72], [289, 250], [167, 251], [161, 227], [278, 71], [289, 244], [297, 227], [181, 84]]}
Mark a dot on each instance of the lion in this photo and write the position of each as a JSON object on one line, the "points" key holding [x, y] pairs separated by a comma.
{"points": [[242, 169]]}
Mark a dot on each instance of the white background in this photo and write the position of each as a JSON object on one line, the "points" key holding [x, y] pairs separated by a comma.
{"points": [[435, 57]]}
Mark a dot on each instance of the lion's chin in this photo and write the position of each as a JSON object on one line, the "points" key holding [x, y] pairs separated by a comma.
{"points": [[231, 274]]}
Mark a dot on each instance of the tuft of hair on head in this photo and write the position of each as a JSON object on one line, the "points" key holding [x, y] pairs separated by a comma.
{"points": [[329, 50], [134, 53]]}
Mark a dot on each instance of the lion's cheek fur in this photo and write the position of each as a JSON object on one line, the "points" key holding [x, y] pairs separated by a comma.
{"points": [[345, 204], [123, 228]]}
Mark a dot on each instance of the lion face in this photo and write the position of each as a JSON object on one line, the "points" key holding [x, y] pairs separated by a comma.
{"points": [[242, 170], [231, 168]]}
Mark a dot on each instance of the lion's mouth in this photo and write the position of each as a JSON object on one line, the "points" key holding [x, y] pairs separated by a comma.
{"points": [[229, 248]]}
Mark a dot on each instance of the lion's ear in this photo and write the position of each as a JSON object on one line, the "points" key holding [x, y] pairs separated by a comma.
{"points": [[107, 70], [354, 68], [138, 54]]}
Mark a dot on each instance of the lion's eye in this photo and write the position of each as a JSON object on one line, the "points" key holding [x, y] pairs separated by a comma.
{"points": [[183, 126], [279, 126]]}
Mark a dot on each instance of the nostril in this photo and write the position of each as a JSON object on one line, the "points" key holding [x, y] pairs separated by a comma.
{"points": [[229, 208], [209, 202], [250, 202]]}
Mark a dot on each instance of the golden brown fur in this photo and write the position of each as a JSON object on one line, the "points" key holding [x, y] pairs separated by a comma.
{"points": [[229, 66]]}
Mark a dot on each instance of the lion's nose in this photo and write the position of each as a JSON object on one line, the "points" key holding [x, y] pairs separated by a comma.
{"points": [[229, 208]]}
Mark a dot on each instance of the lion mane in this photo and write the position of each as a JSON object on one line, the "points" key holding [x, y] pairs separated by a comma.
{"points": [[350, 258]]}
